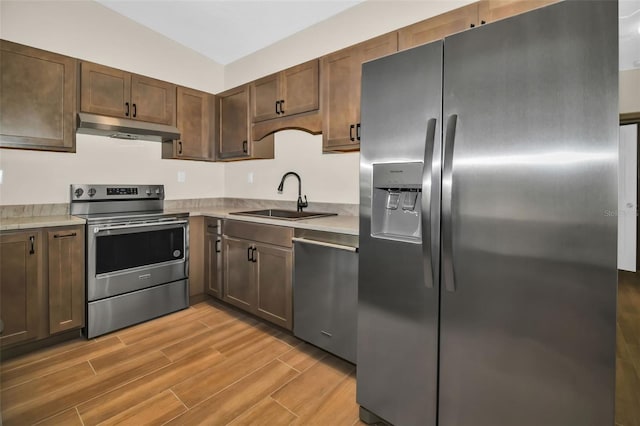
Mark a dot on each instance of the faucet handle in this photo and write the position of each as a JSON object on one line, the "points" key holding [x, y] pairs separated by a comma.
{"points": [[302, 204]]}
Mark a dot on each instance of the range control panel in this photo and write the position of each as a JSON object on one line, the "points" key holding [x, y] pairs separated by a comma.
{"points": [[116, 192]]}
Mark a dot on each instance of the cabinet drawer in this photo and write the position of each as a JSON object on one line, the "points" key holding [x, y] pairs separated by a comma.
{"points": [[269, 234]]}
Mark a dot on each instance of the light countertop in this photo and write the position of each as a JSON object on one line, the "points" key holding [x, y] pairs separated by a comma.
{"points": [[28, 222], [340, 224]]}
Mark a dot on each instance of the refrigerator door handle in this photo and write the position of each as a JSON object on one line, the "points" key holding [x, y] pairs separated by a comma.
{"points": [[447, 195], [430, 268]]}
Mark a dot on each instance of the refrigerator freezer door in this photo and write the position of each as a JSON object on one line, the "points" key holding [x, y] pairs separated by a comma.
{"points": [[397, 301], [528, 329]]}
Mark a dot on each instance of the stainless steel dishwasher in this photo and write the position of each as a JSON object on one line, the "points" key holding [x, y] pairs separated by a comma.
{"points": [[325, 291]]}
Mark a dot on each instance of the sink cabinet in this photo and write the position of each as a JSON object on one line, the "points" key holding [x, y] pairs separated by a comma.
{"points": [[258, 270]]}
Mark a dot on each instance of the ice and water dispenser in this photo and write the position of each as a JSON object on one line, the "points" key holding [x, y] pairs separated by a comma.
{"points": [[396, 201]]}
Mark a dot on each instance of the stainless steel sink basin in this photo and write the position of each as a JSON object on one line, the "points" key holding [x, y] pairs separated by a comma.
{"points": [[284, 214]]}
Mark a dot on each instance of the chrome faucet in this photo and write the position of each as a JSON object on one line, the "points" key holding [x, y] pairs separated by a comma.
{"points": [[301, 204]]}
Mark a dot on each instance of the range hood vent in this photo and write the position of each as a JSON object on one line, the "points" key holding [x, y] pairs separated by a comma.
{"points": [[122, 128]]}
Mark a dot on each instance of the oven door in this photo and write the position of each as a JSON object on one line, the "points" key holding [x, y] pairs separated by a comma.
{"points": [[124, 257]]}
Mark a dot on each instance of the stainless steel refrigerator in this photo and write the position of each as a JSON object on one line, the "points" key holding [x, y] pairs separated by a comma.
{"points": [[487, 270]]}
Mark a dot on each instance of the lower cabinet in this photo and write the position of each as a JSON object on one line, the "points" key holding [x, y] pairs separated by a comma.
{"points": [[42, 283], [20, 286], [66, 278], [213, 257], [258, 269]]}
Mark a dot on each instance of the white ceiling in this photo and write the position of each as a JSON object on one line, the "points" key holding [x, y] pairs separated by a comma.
{"points": [[227, 30]]}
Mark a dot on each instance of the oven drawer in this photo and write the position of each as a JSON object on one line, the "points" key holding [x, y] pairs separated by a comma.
{"points": [[122, 311]]}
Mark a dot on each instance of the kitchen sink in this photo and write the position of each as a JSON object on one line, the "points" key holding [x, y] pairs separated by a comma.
{"points": [[284, 214]]}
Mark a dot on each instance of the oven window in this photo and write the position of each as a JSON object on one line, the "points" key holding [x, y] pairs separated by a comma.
{"points": [[124, 251]]}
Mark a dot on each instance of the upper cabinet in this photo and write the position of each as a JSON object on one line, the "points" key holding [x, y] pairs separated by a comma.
{"points": [[289, 99], [341, 72], [108, 91], [37, 99], [438, 27], [234, 140], [286, 93], [494, 10], [196, 120]]}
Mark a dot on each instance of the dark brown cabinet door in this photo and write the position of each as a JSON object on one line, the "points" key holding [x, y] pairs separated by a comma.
{"points": [[265, 95], [300, 89], [339, 98], [20, 286], [234, 123], [494, 10], [196, 122], [341, 73], [66, 278], [239, 281], [37, 98], [273, 277], [212, 257], [438, 27], [153, 100], [105, 91]]}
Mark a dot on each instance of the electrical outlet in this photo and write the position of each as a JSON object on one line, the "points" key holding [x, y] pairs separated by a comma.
{"points": [[182, 177]]}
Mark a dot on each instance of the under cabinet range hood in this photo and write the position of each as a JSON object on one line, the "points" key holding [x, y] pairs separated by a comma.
{"points": [[123, 128]]}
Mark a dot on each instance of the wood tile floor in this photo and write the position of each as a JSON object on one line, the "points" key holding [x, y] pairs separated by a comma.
{"points": [[212, 365], [628, 351], [206, 365]]}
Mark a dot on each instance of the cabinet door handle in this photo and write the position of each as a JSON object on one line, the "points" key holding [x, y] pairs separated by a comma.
{"points": [[351, 138], [217, 246], [254, 259], [483, 22], [135, 111], [32, 241], [244, 146], [277, 104], [249, 253], [358, 131], [472, 26], [179, 147], [73, 234], [281, 109], [126, 111]]}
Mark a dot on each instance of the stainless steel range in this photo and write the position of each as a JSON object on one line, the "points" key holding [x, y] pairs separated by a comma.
{"points": [[137, 255]]}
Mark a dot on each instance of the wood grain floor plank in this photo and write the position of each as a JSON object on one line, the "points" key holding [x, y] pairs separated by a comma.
{"points": [[62, 360], [225, 406], [40, 386], [141, 331], [155, 410], [303, 356], [628, 351], [68, 417], [42, 354], [265, 413], [157, 341], [211, 337], [236, 366], [311, 386], [75, 393], [338, 407], [111, 403], [213, 318]]}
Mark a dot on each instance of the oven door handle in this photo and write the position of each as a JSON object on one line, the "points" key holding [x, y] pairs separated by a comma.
{"points": [[139, 225]]}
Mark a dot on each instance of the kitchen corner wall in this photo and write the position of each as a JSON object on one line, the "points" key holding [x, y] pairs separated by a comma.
{"points": [[325, 177], [87, 30]]}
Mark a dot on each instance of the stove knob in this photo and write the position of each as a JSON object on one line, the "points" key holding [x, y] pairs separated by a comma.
{"points": [[158, 192], [148, 191], [92, 192], [79, 192]]}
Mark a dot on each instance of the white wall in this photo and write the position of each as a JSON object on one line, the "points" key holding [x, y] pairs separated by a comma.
{"points": [[87, 30], [630, 91], [325, 177]]}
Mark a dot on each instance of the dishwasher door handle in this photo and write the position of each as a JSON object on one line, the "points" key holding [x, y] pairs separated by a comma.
{"points": [[323, 244]]}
